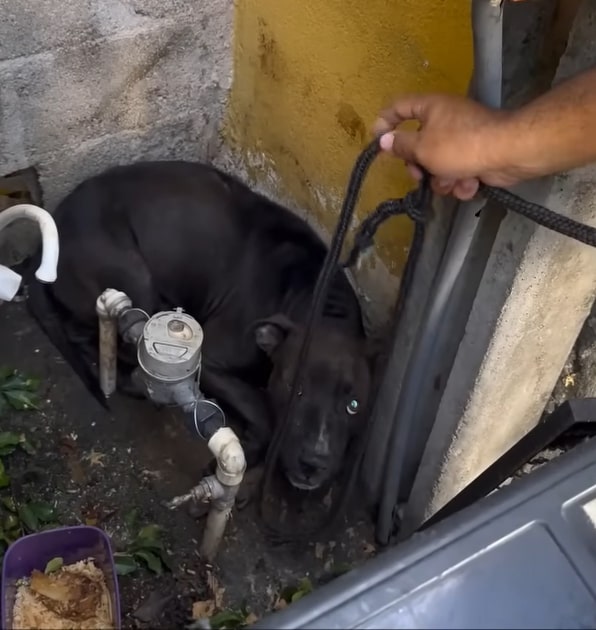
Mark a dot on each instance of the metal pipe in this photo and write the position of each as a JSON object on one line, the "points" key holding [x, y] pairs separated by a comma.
{"points": [[486, 87]]}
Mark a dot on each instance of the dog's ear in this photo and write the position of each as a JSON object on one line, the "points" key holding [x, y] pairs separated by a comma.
{"points": [[270, 333]]}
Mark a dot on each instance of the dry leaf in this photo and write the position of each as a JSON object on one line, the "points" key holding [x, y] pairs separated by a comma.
{"points": [[95, 458], [250, 619], [368, 548], [280, 604], [69, 448], [319, 551], [203, 610], [569, 380], [217, 591]]}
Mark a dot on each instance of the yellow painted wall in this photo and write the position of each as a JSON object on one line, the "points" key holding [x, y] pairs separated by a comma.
{"points": [[309, 78]]}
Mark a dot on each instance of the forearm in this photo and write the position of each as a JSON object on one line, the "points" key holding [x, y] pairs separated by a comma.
{"points": [[554, 133]]}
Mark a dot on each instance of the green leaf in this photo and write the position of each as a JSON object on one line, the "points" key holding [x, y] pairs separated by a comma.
{"points": [[18, 381], [28, 517], [152, 561], [26, 446], [8, 439], [9, 442], [43, 512], [125, 564], [11, 522], [4, 478], [20, 399], [6, 373], [54, 565], [130, 518], [297, 595], [9, 504], [294, 593], [165, 559], [149, 533], [227, 619], [305, 586], [148, 538]]}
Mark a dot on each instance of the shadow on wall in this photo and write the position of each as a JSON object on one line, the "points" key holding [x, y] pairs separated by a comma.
{"points": [[103, 82]]}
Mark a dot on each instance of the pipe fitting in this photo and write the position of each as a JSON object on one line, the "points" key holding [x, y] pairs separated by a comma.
{"points": [[217, 519], [208, 417], [131, 323], [111, 303], [231, 462], [207, 489], [48, 268], [220, 489], [10, 283]]}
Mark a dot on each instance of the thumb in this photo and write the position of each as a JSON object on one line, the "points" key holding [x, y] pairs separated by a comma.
{"points": [[401, 143]]}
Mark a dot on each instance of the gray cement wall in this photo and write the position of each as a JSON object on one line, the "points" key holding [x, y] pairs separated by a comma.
{"points": [[536, 293], [86, 84]]}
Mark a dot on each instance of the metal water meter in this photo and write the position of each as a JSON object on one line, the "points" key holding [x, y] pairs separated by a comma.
{"points": [[169, 356]]}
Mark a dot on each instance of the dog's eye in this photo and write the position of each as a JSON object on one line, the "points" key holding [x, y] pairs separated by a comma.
{"points": [[353, 407], [289, 389]]}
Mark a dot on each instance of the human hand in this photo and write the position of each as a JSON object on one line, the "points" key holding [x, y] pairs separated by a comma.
{"points": [[459, 142]]}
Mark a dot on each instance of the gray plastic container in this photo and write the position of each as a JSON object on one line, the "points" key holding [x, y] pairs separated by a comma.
{"points": [[523, 557]]}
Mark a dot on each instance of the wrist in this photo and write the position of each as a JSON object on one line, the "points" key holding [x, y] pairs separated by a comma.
{"points": [[516, 146]]}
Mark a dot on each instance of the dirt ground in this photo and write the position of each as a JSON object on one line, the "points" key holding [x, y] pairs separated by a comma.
{"points": [[97, 467]]}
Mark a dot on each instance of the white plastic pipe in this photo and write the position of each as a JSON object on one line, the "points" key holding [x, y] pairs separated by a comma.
{"points": [[220, 489], [47, 270], [10, 281], [108, 307], [231, 463]]}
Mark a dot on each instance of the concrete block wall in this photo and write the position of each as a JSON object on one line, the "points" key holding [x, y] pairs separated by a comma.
{"points": [[86, 84]]}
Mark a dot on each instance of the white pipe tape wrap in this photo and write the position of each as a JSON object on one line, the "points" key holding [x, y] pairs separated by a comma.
{"points": [[226, 448]]}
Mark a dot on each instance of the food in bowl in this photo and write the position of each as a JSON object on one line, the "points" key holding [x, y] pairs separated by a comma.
{"points": [[72, 597]]}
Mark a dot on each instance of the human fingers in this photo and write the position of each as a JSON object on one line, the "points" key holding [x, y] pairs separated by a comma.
{"points": [[414, 171], [409, 107], [466, 189], [401, 143], [442, 185]]}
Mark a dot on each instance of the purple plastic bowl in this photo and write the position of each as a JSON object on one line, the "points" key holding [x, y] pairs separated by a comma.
{"points": [[36, 550]]}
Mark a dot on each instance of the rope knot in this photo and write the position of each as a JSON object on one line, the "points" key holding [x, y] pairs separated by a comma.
{"points": [[414, 206]]}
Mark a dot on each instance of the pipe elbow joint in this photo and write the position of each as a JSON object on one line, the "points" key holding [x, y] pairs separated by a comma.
{"points": [[48, 268], [111, 303], [231, 462]]}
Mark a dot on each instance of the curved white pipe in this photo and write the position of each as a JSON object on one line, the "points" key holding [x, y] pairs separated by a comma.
{"points": [[47, 270]]}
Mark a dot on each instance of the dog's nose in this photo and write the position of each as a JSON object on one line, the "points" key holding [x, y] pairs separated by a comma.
{"points": [[311, 463]]}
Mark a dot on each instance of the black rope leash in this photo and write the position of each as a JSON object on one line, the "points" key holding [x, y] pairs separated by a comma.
{"points": [[363, 162], [416, 205]]}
